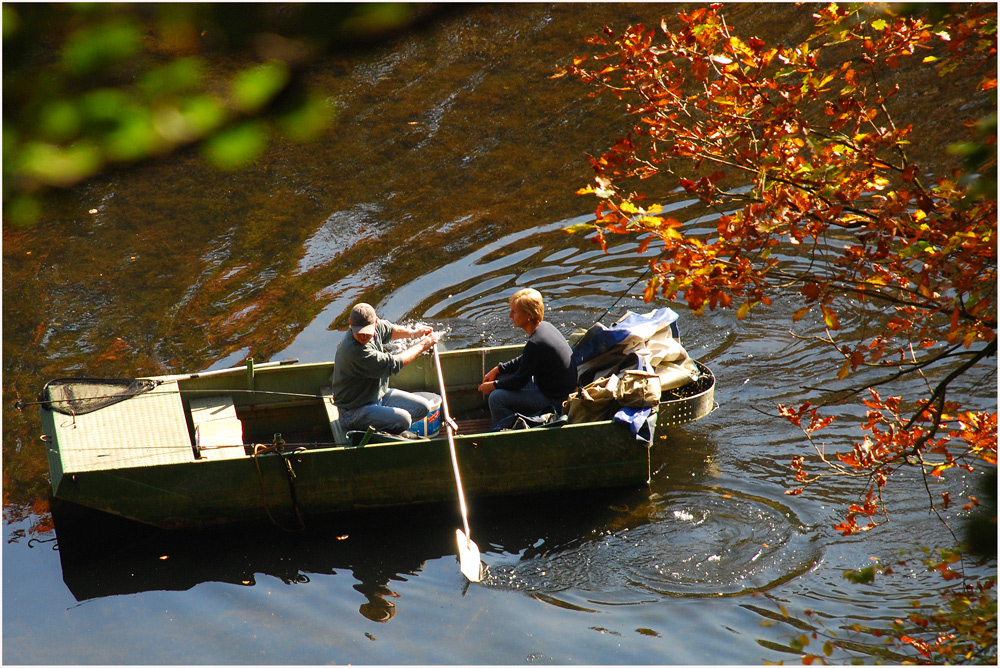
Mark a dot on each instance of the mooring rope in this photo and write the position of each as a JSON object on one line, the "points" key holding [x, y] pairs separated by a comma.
{"points": [[259, 449]]}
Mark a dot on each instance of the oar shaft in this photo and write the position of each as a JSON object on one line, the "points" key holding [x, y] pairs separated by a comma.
{"points": [[451, 443]]}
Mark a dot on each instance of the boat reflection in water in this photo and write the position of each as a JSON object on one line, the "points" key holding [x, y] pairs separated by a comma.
{"points": [[102, 555]]}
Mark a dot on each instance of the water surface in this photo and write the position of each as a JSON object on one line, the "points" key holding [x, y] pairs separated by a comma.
{"points": [[443, 188]]}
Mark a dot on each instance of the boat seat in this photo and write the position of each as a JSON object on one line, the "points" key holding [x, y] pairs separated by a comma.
{"points": [[333, 414], [218, 433]]}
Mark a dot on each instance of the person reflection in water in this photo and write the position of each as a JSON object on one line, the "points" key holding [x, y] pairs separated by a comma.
{"points": [[377, 608], [362, 367], [542, 376]]}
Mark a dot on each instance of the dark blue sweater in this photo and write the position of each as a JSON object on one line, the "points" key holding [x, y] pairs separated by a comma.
{"points": [[546, 357]]}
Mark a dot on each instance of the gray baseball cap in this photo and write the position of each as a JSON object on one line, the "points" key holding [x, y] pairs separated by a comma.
{"points": [[363, 319]]}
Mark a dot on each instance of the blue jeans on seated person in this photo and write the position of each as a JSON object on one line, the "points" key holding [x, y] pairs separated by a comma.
{"points": [[393, 414], [529, 400]]}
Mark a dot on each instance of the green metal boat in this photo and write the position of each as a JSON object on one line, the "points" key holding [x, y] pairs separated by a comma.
{"points": [[258, 442]]}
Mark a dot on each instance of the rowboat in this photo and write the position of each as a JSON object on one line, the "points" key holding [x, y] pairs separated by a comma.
{"points": [[265, 441]]}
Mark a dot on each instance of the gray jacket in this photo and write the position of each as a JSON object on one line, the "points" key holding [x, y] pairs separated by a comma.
{"points": [[361, 372]]}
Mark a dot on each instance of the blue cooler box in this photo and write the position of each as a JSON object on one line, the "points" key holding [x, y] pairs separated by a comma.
{"points": [[430, 425]]}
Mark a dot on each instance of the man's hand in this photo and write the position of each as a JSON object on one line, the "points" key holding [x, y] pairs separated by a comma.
{"points": [[422, 345], [429, 339]]}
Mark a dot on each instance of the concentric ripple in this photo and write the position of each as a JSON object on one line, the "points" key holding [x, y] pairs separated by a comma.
{"points": [[697, 542]]}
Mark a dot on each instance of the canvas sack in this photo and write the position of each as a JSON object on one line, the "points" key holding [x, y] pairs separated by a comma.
{"points": [[593, 402], [638, 389]]}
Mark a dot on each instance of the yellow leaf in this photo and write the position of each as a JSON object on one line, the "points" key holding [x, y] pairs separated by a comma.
{"points": [[830, 318], [738, 46], [628, 207], [879, 24], [742, 312], [939, 469]]}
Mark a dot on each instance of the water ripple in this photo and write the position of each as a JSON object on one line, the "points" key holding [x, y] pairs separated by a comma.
{"points": [[699, 542]]}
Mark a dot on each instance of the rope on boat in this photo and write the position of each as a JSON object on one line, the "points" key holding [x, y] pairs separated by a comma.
{"points": [[276, 447]]}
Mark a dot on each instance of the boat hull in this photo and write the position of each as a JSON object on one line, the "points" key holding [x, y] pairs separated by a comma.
{"points": [[93, 458], [290, 486]]}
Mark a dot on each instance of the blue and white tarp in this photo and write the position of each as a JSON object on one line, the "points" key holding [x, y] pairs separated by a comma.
{"points": [[632, 326]]}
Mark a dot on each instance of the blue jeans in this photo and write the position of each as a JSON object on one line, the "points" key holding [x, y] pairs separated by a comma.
{"points": [[529, 400], [393, 414]]}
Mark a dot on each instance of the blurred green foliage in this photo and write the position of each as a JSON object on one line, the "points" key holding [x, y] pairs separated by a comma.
{"points": [[89, 86]]}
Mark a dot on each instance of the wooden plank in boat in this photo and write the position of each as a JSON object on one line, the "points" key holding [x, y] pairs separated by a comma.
{"points": [[147, 430], [336, 428], [217, 431]]}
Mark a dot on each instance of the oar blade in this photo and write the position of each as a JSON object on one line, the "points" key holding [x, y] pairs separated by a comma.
{"points": [[468, 557]]}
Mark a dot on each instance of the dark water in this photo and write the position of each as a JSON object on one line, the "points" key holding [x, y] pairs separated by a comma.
{"points": [[444, 186]]}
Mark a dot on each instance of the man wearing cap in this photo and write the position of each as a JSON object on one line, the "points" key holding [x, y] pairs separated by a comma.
{"points": [[362, 368]]}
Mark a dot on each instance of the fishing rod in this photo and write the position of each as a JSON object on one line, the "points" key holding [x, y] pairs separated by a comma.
{"points": [[20, 403], [649, 268]]}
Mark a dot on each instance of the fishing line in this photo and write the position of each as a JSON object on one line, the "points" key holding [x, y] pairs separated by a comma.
{"points": [[649, 268]]}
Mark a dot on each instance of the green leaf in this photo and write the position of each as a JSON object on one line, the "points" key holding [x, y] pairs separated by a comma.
{"points": [[22, 211], [135, 137], [309, 120], [59, 121], [99, 46], [180, 76], [253, 88], [202, 114], [237, 147], [11, 21], [59, 166], [865, 575], [104, 104]]}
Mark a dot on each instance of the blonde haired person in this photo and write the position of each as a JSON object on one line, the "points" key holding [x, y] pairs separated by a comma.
{"points": [[542, 376]]}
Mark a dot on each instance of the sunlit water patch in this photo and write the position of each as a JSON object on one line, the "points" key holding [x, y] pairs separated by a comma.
{"points": [[569, 270], [341, 231]]}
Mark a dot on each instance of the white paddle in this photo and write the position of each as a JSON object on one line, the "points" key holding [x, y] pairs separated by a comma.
{"points": [[468, 551]]}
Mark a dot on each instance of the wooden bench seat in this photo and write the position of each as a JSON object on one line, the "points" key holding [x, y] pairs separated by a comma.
{"points": [[218, 432], [333, 414]]}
